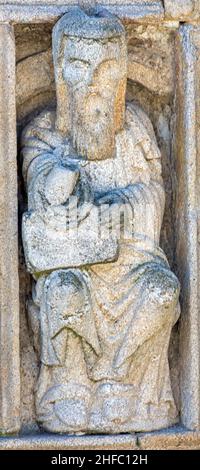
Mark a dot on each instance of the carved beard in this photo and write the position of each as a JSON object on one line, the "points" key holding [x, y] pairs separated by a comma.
{"points": [[93, 130]]}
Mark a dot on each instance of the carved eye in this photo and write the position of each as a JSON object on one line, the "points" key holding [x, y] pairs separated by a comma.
{"points": [[108, 71], [75, 70]]}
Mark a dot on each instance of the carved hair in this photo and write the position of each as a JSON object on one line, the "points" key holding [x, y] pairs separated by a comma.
{"points": [[98, 23]]}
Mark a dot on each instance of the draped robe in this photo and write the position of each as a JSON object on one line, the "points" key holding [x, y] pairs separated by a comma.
{"points": [[126, 346]]}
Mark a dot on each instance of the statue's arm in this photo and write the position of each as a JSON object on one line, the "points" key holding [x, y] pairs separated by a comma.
{"points": [[139, 192], [141, 160], [49, 182], [144, 191], [38, 137]]}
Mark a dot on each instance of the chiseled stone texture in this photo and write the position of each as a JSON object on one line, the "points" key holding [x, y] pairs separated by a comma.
{"points": [[182, 9], [35, 86], [56, 442], [39, 70], [9, 282], [83, 3], [27, 11], [150, 63], [150, 57], [176, 438], [187, 217]]}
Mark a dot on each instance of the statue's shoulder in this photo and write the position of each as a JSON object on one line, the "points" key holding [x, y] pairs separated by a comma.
{"points": [[39, 136], [137, 117], [44, 120], [141, 129]]}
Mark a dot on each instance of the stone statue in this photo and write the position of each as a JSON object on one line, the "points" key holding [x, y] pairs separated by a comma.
{"points": [[103, 307]]}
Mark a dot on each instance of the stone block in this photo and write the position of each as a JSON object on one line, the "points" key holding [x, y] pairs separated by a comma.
{"points": [[9, 283], [182, 10], [187, 218], [56, 247], [36, 11], [175, 438], [53, 442]]}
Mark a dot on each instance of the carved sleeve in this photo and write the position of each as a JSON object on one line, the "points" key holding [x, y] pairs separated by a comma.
{"points": [[44, 171]]}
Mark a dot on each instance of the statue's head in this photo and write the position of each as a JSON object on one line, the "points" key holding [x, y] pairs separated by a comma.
{"points": [[89, 52]]}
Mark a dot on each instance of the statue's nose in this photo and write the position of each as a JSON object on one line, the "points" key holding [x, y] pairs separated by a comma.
{"points": [[91, 79], [92, 90]]}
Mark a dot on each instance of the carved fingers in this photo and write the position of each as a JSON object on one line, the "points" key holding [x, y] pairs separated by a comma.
{"points": [[60, 184]]}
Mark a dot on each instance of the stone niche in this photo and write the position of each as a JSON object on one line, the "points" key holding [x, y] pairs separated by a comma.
{"points": [[151, 85], [161, 80]]}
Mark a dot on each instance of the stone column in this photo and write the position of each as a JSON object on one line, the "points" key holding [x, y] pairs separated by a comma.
{"points": [[187, 208], [9, 292]]}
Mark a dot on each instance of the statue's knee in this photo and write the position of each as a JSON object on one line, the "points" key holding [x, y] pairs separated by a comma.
{"points": [[163, 288], [66, 293]]}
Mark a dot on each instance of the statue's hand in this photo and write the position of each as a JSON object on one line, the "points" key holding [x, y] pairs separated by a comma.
{"points": [[116, 212], [110, 217], [111, 198], [60, 184], [110, 206]]}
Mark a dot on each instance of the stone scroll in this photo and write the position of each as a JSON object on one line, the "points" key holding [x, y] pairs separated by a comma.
{"points": [[104, 298]]}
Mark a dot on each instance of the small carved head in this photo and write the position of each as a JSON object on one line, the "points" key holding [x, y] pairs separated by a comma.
{"points": [[89, 51]]}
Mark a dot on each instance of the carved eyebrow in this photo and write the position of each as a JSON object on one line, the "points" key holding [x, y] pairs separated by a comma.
{"points": [[104, 62], [77, 59], [108, 60]]}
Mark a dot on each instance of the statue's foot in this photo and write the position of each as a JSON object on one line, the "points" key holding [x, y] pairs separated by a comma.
{"points": [[113, 408], [65, 409]]}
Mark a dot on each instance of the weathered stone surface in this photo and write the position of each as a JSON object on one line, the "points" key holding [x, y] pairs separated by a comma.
{"points": [[187, 207], [34, 77], [31, 39], [150, 57], [150, 63], [175, 438], [49, 442], [181, 9], [91, 125], [47, 249], [9, 287], [138, 10], [35, 84], [83, 3], [37, 11]]}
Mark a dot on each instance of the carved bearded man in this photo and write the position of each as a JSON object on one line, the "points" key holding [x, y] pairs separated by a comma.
{"points": [[102, 329]]}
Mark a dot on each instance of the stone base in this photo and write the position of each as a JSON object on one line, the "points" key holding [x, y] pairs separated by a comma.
{"points": [[69, 442], [175, 438]]}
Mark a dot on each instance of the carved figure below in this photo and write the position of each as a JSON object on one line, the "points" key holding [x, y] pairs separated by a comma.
{"points": [[103, 306]]}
